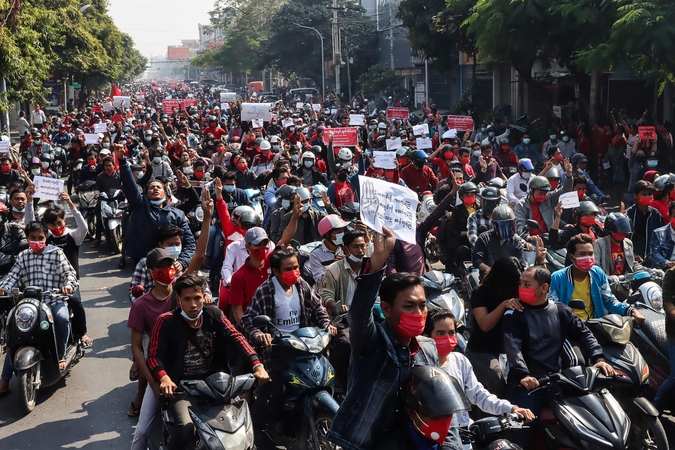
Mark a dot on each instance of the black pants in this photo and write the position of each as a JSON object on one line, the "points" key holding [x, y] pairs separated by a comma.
{"points": [[269, 397], [79, 322], [184, 429]]}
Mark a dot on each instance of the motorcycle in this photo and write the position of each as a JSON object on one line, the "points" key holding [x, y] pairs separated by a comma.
{"points": [[31, 343], [58, 160], [87, 201], [112, 208], [484, 434], [317, 200], [308, 385], [223, 419], [257, 201], [438, 287], [195, 219]]}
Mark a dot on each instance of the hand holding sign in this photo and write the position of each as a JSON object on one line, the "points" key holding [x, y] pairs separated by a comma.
{"points": [[569, 200], [646, 133], [48, 188]]}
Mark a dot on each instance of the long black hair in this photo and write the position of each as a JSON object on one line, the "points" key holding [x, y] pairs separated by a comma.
{"points": [[502, 280]]}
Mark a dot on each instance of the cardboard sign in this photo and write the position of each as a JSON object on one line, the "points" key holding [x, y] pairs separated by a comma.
{"points": [[90, 138], [107, 107], [423, 143], [398, 113], [569, 200], [250, 111], [316, 107], [118, 118], [394, 144], [287, 123], [342, 137], [357, 120], [384, 160], [97, 109], [390, 205], [48, 188], [228, 97], [257, 123], [333, 110], [421, 130], [646, 133], [461, 123], [169, 104], [299, 105], [225, 106], [4, 146], [120, 101], [100, 128]]}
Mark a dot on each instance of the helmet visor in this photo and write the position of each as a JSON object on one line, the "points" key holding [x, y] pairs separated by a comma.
{"points": [[505, 229]]}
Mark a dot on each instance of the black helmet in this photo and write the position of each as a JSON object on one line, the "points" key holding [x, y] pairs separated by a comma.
{"points": [[316, 149], [350, 211], [490, 199], [249, 217], [496, 183], [433, 393], [504, 221], [618, 223], [286, 191], [579, 158], [213, 119], [586, 207], [468, 188]]}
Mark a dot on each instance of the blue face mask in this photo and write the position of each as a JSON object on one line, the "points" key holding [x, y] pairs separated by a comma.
{"points": [[285, 204], [491, 134], [21, 211], [174, 251], [157, 202], [157, 160], [553, 137], [482, 130], [229, 188], [566, 138], [526, 141], [295, 157], [182, 313]]}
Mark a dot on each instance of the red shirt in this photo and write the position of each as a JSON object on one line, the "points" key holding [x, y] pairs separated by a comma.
{"points": [[217, 132], [618, 260], [245, 281], [425, 179], [662, 206], [536, 215], [443, 168]]}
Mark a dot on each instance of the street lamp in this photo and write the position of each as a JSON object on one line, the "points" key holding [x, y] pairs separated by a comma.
{"points": [[323, 76]]}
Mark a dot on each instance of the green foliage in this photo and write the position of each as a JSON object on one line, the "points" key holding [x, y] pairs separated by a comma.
{"points": [[379, 80]]}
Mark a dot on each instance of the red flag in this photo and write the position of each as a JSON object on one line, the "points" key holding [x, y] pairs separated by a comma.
{"points": [[115, 92]]}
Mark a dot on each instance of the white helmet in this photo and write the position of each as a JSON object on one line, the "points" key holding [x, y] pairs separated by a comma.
{"points": [[265, 145], [308, 155], [345, 154], [304, 193]]}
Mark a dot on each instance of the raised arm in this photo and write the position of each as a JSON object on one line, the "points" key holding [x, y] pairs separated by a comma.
{"points": [[200, 251]]}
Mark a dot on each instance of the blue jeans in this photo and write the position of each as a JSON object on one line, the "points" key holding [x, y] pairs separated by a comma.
{"points": [[664, 396], [518, 395], [62, 324]]}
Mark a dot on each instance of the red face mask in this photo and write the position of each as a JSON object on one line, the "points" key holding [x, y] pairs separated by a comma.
{"points": [[199, 175], [91, 163], [465, 159], [435, 430], [403, 161], [645, 201], [581, 193], [558, 157], [411, 325], [445, 344], [58, 231], [527, 295], [389, 175], [5, 169], [109, 171], [539, 197], [448, 155], [584, 263], [587, 221], [164, 276], [282, 182], [469, 200], [37, 246], [621, 236], [290, 277], [505, 147], [259, 253], [242, 166], [378, 172], [554, 184]]}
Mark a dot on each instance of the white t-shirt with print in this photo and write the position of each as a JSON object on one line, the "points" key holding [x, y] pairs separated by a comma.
{"points": [[287, 308]]}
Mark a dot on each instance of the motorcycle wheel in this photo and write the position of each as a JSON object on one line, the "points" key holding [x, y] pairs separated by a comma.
{"points": [[647, 433], [115, 240], [321, 424], [91, 226], [26, 390]]}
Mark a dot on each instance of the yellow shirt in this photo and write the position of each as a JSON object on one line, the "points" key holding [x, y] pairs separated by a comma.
{"points": [[582, 291]]}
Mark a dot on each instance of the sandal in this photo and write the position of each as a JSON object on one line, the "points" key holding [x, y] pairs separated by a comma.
{"points": [[86, 342], [134, 372], [62, 364], [133, 411]]}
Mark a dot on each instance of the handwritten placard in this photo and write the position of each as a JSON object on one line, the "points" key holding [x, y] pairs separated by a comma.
{"points": [[90, 138], [107, 107], [4, 146], [569, 200], [257, 123], [342, 137], [356, 120], [384, 160], [228, 97], [390, 205], [299, 105], [423, 143], [250, 111], [646, 133], [48, 188], [394, 144], [100, 128], [316, 107], [120, 101], [421, 130]]}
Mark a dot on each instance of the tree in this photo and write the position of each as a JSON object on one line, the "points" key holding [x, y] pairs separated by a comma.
{"points": [[380, 80]]}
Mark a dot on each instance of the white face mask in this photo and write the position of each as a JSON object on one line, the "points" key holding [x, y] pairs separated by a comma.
{"points": [[476, 153], [338, 239], [309, 164], [355, 259], [305, 207], [285, 204], [174, 251], [526, 175], [188, 170], [35, 171]]}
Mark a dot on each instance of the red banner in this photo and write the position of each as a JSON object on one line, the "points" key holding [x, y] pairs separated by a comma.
{"points": [[646, 133], [184, 104], [342, 137], [460, 123], [168, 104], [398, 113], [97, 109], [118, 118]]}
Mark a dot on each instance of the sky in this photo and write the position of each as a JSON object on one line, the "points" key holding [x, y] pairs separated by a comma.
{"points": [[155, 25]]}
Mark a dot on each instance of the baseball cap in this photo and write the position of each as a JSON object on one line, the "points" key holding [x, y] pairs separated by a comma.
{"points": [[255, 236], [105, 151], [156, 256]]}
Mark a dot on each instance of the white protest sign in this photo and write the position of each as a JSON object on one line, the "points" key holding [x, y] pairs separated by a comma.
{"points": [[228, 97], [121, 101], [250, 111], [356, 120], [225, 106], [394, 144], [299, 105], [140, 97], [107, 107], [90, 138], [316, 107], [421, 130], [333, 110], [384, 160], [287, 123], [423, 143], [100, 128], [390, 205], [4, 146], [257, 123], [48, 188], [569, 200]]}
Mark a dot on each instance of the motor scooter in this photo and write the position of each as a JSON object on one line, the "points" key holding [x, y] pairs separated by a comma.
{"points": [[112, 208], [222, 418], [87, 201], [31, 343], [486, 433], [438, 287], [308, 384], [58, 160]]}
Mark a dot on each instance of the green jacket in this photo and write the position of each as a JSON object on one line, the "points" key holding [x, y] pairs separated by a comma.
{"points": [[669, 302]]}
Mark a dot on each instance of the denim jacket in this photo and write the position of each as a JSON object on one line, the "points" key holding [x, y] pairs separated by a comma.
{"points": [[661, 247], [378, 369]]}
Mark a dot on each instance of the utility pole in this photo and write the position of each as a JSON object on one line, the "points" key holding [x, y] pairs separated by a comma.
{"points": [[349, 74], [337, 56], [391, 34]]}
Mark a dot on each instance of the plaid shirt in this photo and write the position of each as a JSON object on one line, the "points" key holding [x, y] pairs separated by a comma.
{"points": [[312, 313], [477, 220], [48, 270]]}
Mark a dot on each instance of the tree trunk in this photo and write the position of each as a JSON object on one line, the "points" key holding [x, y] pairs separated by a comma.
{"points": [[594, 103]]}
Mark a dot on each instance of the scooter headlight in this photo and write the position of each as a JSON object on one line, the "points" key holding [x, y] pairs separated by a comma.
{"points": [[618, 335], [199, 214], [25, 317], [655, 296]]}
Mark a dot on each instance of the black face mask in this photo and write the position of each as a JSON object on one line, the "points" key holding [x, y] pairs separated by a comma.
{"points": [[641, 159], [342, 177], [419, 163]]}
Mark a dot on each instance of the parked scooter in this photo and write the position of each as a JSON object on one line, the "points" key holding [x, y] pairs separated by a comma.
{"points": [[31, 343], [486, 433], [112, 208], [87, 201], [222, 419], [308, 384]]}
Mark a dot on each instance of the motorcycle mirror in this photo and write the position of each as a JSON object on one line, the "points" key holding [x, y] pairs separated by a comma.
{"points": [[577, 304], [532, 224], [261, 321]]}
